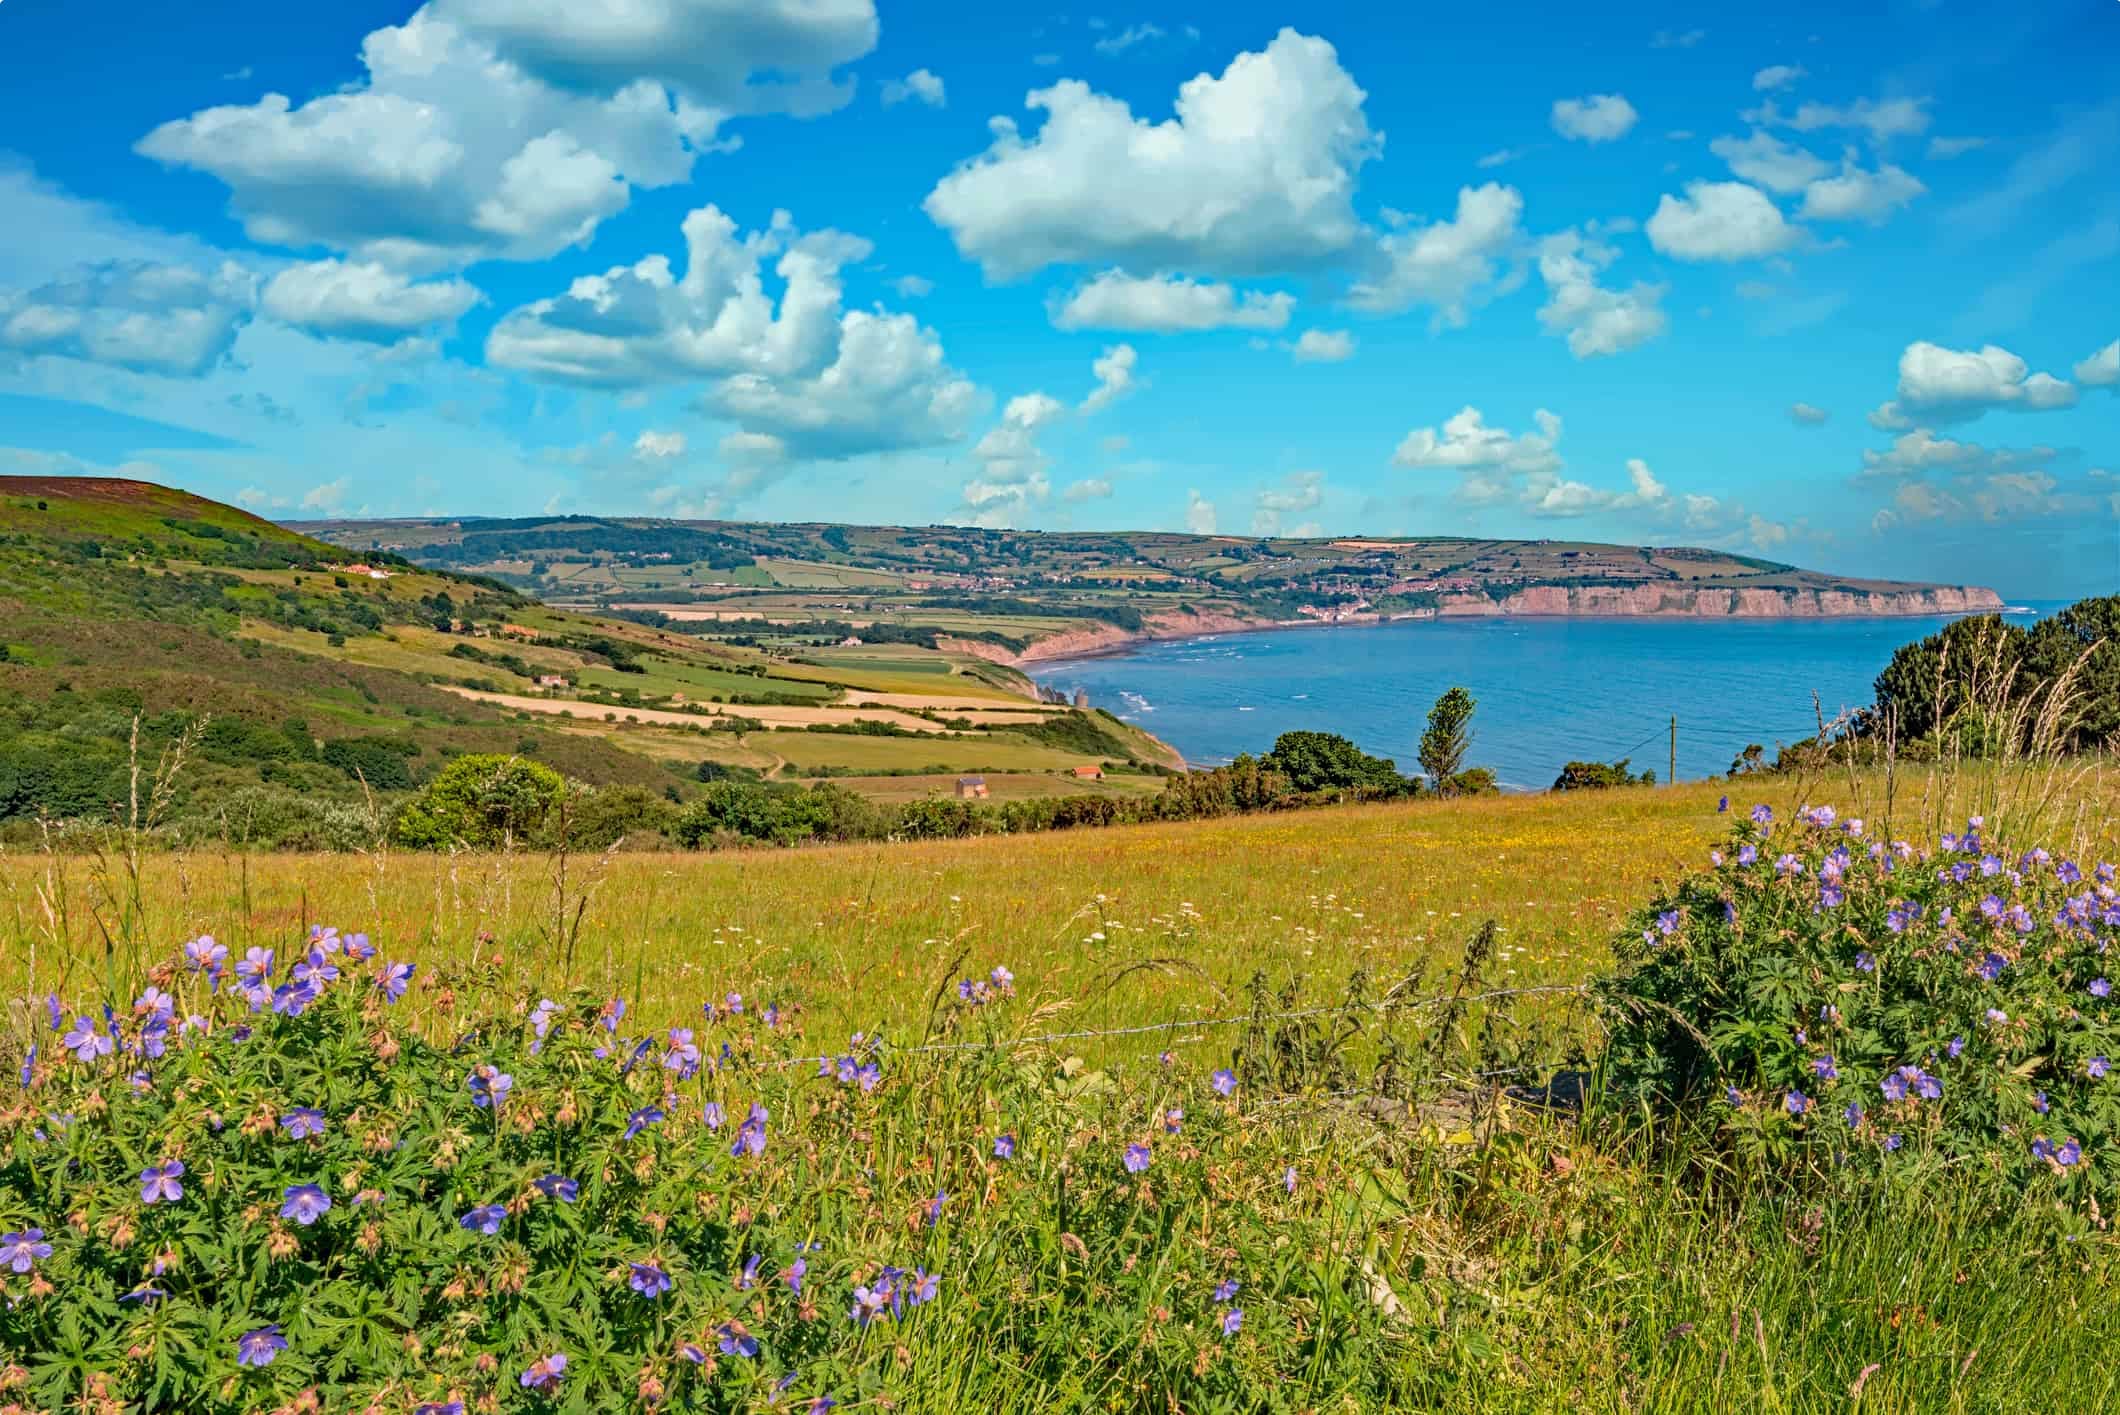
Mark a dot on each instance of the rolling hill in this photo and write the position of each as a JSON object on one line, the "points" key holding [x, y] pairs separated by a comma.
{"points": [[1024, 595], [306, 687]]}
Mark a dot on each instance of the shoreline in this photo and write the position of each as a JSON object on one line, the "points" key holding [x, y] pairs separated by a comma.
{"points": [[1114, 642]]}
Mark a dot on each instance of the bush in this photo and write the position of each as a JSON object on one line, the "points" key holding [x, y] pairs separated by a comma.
{"points": [[1590, 776], [480, 800], [1326, 761], [352, 1185], [1827, 1003]]}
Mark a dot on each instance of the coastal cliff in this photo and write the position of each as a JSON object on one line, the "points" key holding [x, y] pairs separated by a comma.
{"points": [[1540, 601]]}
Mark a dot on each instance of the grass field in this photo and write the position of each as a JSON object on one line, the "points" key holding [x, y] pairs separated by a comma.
{"points": [[1473, 1258], [1183, 914]]}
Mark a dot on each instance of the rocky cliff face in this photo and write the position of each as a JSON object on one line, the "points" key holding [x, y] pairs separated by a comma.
{"points": [[1679, 601]]}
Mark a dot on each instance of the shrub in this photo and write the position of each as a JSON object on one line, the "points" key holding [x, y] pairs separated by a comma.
{"points": [[350, 1184], [1830, 1004], [480, 800], [1588, 776], [1326, 761]]}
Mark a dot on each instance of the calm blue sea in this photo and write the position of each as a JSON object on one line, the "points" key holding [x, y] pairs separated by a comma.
{"points": [[1549, 690]]}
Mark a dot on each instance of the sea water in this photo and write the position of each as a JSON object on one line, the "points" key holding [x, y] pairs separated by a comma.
{"points": [[1550, 691]]}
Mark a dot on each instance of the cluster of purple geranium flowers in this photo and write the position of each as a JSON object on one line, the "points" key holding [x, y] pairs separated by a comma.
{"points": [[2001, 951], [340, 980]]}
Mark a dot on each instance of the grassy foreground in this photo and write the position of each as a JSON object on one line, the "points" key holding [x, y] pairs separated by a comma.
{"points": [[1500, 1259]]}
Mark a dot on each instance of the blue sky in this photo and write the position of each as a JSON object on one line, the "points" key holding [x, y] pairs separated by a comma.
{"points": [[1842, 289]]}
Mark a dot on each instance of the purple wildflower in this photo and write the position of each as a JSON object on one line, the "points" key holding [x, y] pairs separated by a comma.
{"points": [[751, 1135], [303, 1122], [1225, 1081], [486, 1219], [922, 1287], [395, 978], [203, 955], [544, 1373], [1004, 1147], [2101, 987], [22, 1251], [85, 1042], [1853, 1114], [1823, 1068], [261, 1347], [255, 966], [1232, 1320], [306, 1203], [2095, 1068], [1797, 1102], [748, 1278], [933, 1207], [489, 1087], [159, 1184], [1226, 1289], [649, 1280], [713, 1115], [1866, 961], [1136, 1158], [641, 1119], [557, 1186], [793, 1275], [736, 1340]]}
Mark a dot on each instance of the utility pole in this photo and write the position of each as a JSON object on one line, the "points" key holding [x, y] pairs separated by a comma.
{"points": [[1672, 779]]}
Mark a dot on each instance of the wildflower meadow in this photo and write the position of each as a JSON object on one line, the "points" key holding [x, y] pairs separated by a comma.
{"points": [[1811, 1116]]}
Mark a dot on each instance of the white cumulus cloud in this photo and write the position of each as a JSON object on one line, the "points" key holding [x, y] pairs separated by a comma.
{"points": [[1199, 513], [653, 446], [1168, 304], [361, 300], [1719, 221], [826, 381], [1776, 76], [1807, 415], [511, 129], [1322, 346], [1114, 369], [1255, 173], [1449, 265], [1465, 443], [1767, 161], [1601, 117], [1860, 195], [1955, 385], [1596, 320], [2102, 369], [921, 84], [174, 320]]}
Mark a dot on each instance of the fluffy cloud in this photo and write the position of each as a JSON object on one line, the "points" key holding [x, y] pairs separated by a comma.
{"points": [[1719, 221], [1601, 117], [1883, 119], [1805, 415], [359, 300], [826, 381], [710, 51], [510, 128], [2102, 369], [1776, 76], [1114, 369], [1298, 492], [173, 320], [1944, 149], [1199, 513], [1167, 304], [1954, 385], [921, 84], [1488, 455], [653, 446], [1596, 320], [1449, 265], [1012, 477], [1767, 161], [1859, 195], [1920, 452], [1088, 489], [1322, 346], [1255, 173]]}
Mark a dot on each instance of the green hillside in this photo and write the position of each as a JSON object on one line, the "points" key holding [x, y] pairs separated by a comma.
{"points": [[307, 694]]}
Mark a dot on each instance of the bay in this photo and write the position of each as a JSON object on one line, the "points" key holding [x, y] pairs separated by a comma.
{"points": [[1550, 691]]}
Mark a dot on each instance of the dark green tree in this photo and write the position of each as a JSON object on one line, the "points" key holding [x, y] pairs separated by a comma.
{"points": [[1326, 761], [1448, 738], [2089, 631]]}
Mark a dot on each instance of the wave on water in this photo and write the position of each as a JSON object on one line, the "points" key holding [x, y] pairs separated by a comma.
{"points": [[1136, 701], [2018, 609], [1246, 709]]}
